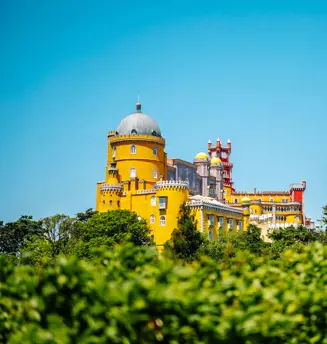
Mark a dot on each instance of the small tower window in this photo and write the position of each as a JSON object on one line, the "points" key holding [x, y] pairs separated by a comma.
{"points": [[132, 173], [134, 132], [271, 199], [153, 201], [118, 204], [133, 149], [155, 151], [235, 200], [152, 219], [154, 133], [210, 235], [110, 203], [154, 173], [114, 152], [162, 220]]}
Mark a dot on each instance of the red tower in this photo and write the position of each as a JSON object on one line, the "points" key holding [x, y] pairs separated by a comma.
{"points": [[223, 152]]}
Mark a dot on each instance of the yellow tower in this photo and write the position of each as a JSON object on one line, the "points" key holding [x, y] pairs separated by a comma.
{"points": [[246, 211]]}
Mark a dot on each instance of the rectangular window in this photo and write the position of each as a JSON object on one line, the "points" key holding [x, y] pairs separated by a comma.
{"points": [[162, 221], [230, 224], [162, 203], [132, 173], [155, 151], [221, 222], [110, 203], [235, 200], [154, 173], [210, 235], [133, 149], [239, 225], [211, 220]]}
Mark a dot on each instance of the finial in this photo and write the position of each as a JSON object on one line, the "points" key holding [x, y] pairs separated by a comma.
{"points": [[228, 141], [138, 104], [218, 140], [209, 141]]}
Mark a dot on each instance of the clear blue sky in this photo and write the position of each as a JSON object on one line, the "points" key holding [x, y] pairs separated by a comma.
{"points": [[251, 71]]}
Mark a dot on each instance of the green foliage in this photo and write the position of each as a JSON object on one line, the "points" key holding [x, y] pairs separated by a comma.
{"points": [[132, 295], [84, 217], [293, 238], [185, 240], [107, 229], [13, 234]]}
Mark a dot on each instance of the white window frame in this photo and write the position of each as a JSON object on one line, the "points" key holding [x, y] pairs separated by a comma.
{"points": [[132, 172], [221, 222], [153, 201], [114, 152], [210, 235], [152, 219], [162, 220], [155, 173], [133, 149], [155, 151]]}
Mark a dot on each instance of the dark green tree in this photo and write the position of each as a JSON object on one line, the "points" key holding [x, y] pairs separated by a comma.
{"points": [[84, 217], [185, 240], [109, 228], [13, 234]]}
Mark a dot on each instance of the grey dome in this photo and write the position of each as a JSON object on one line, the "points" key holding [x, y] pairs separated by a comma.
{"points": [[138, 123]]}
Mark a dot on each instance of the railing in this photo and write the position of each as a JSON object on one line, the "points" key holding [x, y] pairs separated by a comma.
{"points": [[146, 191]]}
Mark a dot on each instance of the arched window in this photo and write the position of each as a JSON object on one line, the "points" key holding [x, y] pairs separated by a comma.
{"points": [[153, 201], [152, 219], [118, 204], [155, 151], [132, 172], [271, 199], [235, 200], [114, 152], [133, 149], [162, 220], [154, 173], [134, 132], [110, 203], [154, 133]]}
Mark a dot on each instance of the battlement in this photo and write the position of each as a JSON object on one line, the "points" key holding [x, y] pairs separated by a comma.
{"points": [[109, 187], [164, 184]]}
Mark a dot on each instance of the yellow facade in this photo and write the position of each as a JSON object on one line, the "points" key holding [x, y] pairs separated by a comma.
{"points": [[135, 180], [276, 208]]}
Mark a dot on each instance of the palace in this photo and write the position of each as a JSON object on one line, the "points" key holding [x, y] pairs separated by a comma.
{"points": [[139, 177]]}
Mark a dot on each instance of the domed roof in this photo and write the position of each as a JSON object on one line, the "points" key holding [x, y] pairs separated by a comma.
{"points": [[138, 123], [201, 155], [245, 200], [215, 161]]}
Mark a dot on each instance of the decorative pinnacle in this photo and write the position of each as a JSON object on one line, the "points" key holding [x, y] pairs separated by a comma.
{"points": [[138, 104]]}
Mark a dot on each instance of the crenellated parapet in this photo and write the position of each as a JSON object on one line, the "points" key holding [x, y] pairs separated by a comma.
{"points": [[172, 184], [111, 187]]}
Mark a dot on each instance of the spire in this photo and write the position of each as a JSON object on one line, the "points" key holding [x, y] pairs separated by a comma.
{"points": [[138, 104]]}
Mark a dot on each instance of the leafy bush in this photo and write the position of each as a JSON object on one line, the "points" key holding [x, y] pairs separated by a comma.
{"points": [[133, 295]]}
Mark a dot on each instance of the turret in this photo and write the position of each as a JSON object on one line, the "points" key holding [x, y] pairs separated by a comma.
{"points": [[229, 146], [246, 211], [216, 170], [202, 163]]}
